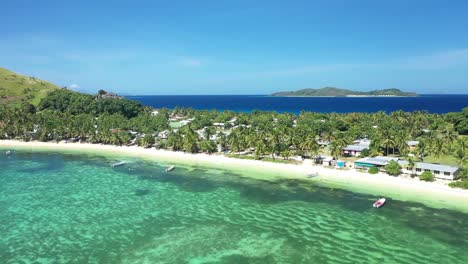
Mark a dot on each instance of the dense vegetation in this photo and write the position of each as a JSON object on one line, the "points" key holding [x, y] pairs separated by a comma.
{"points": [[332, 91], [77, 103], [66, 115], [16, 88]]}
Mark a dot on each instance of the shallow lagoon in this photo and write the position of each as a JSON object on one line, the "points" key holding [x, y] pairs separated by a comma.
{"points": [[75, 208]]}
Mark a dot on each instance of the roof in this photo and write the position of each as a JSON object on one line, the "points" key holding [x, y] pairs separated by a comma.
{"points": [[379, 160], [437, 167], [431, 166], [355, 147], [412, 142]]}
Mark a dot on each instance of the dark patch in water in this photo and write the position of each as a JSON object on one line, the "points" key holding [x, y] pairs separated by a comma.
{"points": [[184, 179], [141, 192]]}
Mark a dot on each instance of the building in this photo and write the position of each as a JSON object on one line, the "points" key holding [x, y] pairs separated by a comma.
{"points": [[439, 171], [356, 148], [378, 162], [412, 143], [323, 143], [324, 160]]}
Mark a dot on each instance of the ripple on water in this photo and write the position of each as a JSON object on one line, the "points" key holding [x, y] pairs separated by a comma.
{"points": [[87, 212]]}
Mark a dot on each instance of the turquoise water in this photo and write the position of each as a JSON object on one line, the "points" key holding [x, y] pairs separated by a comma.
{"points": [[70, 208]]}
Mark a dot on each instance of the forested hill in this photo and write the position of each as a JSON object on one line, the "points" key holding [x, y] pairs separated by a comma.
{"points": [[16, 88], [332, 91]]}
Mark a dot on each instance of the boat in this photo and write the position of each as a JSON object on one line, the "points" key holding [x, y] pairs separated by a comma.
{"points": [[313, 174], [8, 152], [118, 164], [379, 203], [168, 169]]}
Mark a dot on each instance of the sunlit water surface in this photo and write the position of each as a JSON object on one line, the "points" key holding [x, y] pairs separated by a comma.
{"points": [[70, 208]]}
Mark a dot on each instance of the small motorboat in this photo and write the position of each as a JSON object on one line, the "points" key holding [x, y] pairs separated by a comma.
{"points": [[8, 152], [380, 202], [313, 174], [118, 164], [168, 169]]}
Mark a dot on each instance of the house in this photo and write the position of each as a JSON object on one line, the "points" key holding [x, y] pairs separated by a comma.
{"points": [[185, 122], [155, 113], [356, 148], [323, 143], [164, 134], [412, 144], [324, 160], [439, 171], [378, 162], [218, 124]]}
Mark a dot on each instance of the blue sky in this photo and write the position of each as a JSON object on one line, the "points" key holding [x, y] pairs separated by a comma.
{"points": [[238, 47]]}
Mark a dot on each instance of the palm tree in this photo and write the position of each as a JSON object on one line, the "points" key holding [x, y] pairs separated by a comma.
{"points": [[411, 165], [310, 145], [449, 135], [460, 152], [260, 149], [438, 147]]}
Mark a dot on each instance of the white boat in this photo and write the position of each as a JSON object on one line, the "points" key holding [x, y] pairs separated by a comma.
{"points": [[8, 152], [168, 169], [118, 164], [380, 202], [313, 174]]}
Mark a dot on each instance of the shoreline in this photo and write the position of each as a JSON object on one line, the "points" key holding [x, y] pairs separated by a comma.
{"points": [[435, 194]]}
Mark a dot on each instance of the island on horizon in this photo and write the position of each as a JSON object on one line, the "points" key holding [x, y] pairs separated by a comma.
{"points": [[337, 92]]}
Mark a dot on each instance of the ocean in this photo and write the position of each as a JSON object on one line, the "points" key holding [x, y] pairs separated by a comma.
{"points": [[247, 103], [76, 208]]}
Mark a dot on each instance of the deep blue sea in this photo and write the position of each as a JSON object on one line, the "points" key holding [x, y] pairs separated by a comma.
{"points": [[248, 103]]}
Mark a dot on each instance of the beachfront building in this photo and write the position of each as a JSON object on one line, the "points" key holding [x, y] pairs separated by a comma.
{"points": [[439, 171], [378, 162], [356, 148], [324, 160]]}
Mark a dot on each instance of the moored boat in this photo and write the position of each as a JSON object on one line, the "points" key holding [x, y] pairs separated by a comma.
{"points": [[118, 164], [380, 202], [168, 169], [8, 152]]}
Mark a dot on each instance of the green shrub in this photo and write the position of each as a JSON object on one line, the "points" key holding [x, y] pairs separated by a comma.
{"points": [[427, 176], [393, 168], [373, 170], [459, 184], [364, 153]]}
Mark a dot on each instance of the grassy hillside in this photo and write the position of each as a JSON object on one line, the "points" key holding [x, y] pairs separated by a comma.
{"points": [[332, 91], [16, 88]]}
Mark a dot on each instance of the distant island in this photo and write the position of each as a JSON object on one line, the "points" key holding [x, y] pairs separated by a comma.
{"points": [[332, 91]]}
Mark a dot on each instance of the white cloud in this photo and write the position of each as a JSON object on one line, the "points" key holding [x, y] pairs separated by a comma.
{"points": [[74, 86]]}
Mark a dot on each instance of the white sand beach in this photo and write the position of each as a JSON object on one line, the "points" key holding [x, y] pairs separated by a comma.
{"points": [[435, 194]]}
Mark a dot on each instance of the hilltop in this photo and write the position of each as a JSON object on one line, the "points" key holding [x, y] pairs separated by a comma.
{"points": [[332, 91], [16, 88]]}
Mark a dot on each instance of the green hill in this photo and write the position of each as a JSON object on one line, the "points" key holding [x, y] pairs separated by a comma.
{"points": [[332, 91], [16, 88]]}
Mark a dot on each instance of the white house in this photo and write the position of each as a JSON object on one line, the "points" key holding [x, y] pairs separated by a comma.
{"points": [[440, 171]]}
